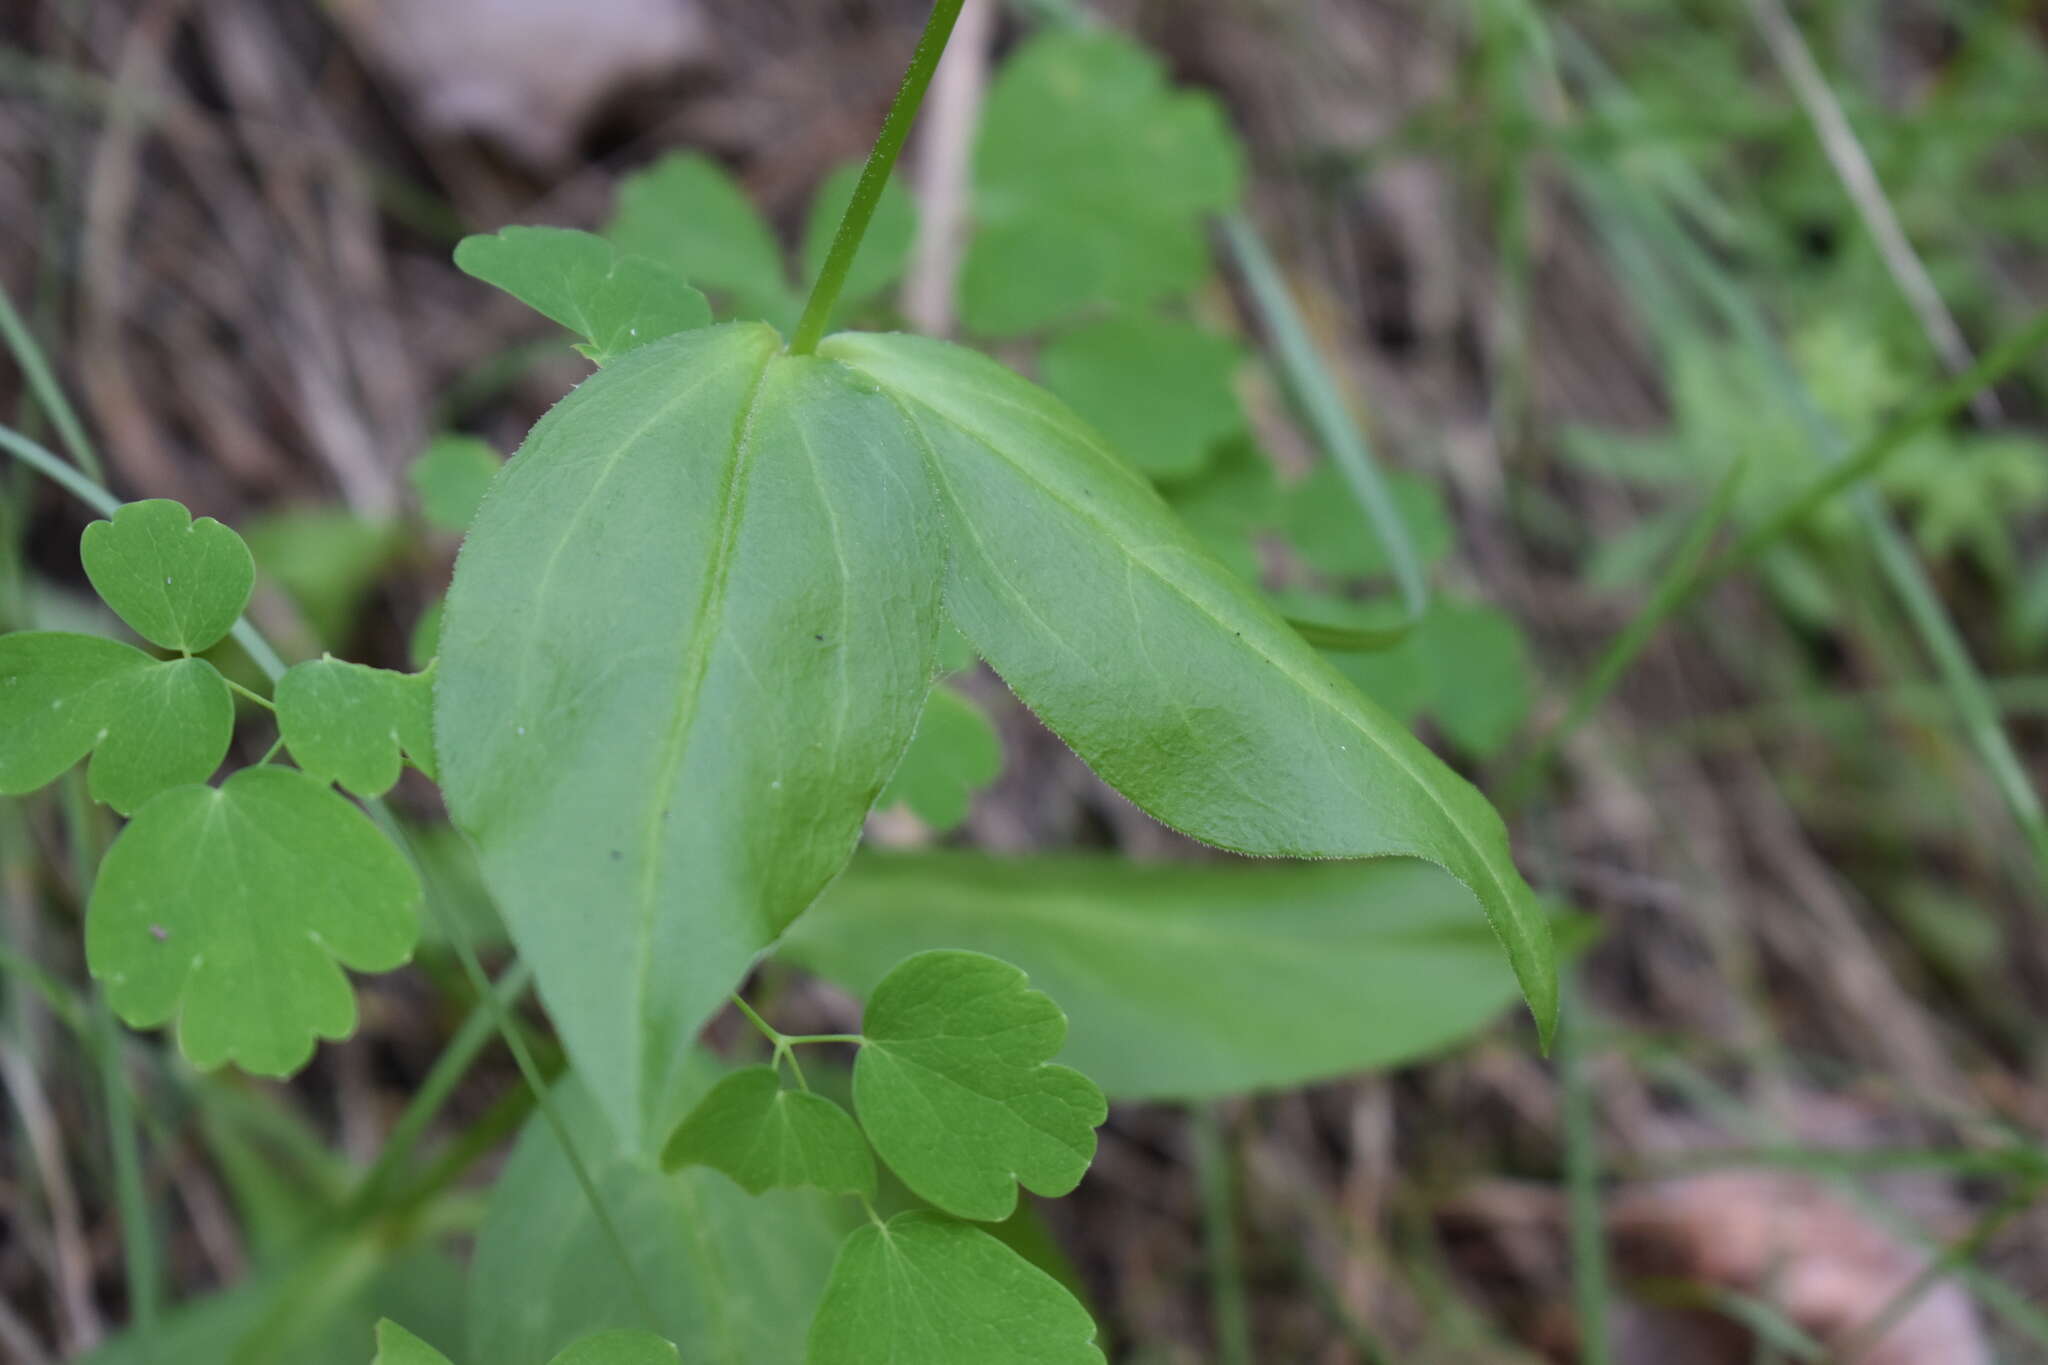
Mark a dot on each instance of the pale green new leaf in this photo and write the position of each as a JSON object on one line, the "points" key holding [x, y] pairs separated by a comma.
{"points": [[1162, 669], [234, 908], [954, 1090], [450, 477], [687, 641], [955, 754], [734, 1277], [355, 725], [1187, 981], [885, 249], [687, 212], [615, 302], [149, 725], [1159, 390], [925, 1290], [1068, 215], [177, 582], [766, 1137]]}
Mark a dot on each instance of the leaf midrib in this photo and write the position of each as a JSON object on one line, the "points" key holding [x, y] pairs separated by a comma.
{"points": [[705, 624]]}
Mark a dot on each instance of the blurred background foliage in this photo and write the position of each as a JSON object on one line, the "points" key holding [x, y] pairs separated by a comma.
{"points": [[1518, 314]]}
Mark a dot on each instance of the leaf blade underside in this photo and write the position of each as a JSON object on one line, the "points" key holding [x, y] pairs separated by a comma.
{"points": [[1176, 683], [714, 569]]}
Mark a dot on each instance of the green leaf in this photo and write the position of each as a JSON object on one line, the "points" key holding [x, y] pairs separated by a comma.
{"points": [[616, 302], [734, 1277], [954, 1091], [450, 477], [1236, 496], [1327, 528], [396, 1346], [766, 1137], [177, 582], [1165, 672], [619, 1348], [688, 213], [149, 725], [329, 1326], [1187, 981], [1478, 667], [885, 249], [1159, 390], [1068, 217], [355, 725], [688, 639], [925, 1290], [234, 908], [955, 754]]}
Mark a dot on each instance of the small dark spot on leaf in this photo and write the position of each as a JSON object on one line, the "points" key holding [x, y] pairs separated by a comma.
{"points": [[616, 855]]}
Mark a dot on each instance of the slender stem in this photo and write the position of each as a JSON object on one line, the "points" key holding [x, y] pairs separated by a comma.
{"points": [[1315, 393], [768, 1030], [47, 463], [867, 192], [1674, 586], [1229, 1315], [138, 1230], [257, 697], [35, 368], [1957, 1254], [446, 1073], [798, 1039]]}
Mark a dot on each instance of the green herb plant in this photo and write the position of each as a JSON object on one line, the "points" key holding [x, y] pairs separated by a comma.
{"points": [[692, 629]]}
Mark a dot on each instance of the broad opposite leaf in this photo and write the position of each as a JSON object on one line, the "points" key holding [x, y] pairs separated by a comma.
{"points": [[688, 638], [1183, 980], [1162, 669]]}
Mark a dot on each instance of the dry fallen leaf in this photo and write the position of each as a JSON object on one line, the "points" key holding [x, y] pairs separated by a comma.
{"points": [[527, 74], [1786, 1240]]}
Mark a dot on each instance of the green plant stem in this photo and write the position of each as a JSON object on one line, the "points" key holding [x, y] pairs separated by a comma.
{"points": [[49, 464], [867, 192], [1674, 586], [131, 1196], [257, 697], [446, 1073], [1315, 393], [1228, 1313], [35, 368]]}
